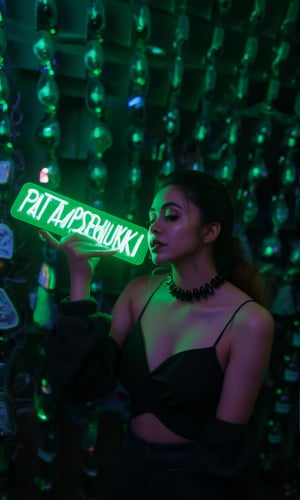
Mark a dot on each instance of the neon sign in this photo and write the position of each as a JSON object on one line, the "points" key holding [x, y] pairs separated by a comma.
{"points": [[58, 214]]}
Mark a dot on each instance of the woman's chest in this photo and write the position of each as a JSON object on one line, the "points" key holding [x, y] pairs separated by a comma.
{"points": [[168, 330]]}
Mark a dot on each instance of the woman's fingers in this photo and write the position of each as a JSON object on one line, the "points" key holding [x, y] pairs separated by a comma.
{"points": [[45, 236], [79, 244], [100, 253], [88, 252]]}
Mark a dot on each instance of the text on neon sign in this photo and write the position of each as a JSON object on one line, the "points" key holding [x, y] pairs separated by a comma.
{"points": [[61, 215]]}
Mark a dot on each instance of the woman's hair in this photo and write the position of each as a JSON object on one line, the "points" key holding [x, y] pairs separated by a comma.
{"points": [[212, 198]]}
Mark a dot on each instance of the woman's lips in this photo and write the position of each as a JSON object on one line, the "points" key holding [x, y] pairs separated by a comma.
{"points": [[156, 246]]}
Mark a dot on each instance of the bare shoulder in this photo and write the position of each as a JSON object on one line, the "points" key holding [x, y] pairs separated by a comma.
{"points": [[130, 303], [249, 317], [254, 324], [140, 289], [250, 350], [256, 319]]}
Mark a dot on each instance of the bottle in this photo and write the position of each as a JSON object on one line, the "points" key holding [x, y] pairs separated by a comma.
{"points": [[274, 430], [291, 367], [294, 335], [46, 457], [267, 456], [89, 466], [7, 434], [283, 400]]}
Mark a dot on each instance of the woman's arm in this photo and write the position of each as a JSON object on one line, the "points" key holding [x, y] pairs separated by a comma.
{"points": [[251, 344], [82, 357], [224, 462]]}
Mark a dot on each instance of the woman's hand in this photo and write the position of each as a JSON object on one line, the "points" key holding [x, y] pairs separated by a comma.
{"points": [[83, 255]]}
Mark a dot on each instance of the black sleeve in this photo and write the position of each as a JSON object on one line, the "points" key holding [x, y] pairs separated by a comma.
{"points": [[224, 463], [81, 357]]}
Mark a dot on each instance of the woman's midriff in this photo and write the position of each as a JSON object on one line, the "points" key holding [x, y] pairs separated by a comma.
{"points": [[149, 428]]}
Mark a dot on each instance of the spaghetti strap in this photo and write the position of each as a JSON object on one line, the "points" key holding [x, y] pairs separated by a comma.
{"points": [[231, 319], [148, 300]]}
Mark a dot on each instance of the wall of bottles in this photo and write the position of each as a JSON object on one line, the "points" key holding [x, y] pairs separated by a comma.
{"points": [[28, 434]]}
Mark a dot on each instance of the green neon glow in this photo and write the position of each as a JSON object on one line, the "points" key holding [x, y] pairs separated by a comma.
{"points": [[42, 415], [45, 209]]}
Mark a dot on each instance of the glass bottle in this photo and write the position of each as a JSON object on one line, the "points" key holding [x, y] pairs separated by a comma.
{"points": [[291, 367], [274, 430], [283, 400]]}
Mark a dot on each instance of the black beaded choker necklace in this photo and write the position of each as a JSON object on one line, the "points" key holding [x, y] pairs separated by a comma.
{"points": [[197, 293]]}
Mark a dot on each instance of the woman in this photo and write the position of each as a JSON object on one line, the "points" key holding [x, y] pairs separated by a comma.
{"points": [[191, 348]]}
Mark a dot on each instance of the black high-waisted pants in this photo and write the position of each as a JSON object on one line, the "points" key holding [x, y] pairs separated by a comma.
{"points": [[149, 471]]}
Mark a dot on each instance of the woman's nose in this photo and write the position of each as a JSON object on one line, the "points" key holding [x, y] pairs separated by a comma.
{"points": [[155, 227]]}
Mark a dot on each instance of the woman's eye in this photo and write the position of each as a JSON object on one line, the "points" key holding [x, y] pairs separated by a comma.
{"points": [[168, 218], [171, 217]]}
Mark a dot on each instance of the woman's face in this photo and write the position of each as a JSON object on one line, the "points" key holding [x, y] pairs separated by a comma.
{"points": [[175, 223]]}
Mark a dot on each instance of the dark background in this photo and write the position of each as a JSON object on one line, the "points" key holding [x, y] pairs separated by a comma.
{"points": [[270, 30], [275, 28]]}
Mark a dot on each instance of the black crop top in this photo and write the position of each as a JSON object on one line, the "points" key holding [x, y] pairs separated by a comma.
{"points": [[181, 392]]}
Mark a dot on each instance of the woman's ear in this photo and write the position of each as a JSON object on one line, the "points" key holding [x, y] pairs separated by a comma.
{"points": [[210, 232]]}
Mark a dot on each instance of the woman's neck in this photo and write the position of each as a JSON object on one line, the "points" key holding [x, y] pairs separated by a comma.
{"points": [[193, 277]]}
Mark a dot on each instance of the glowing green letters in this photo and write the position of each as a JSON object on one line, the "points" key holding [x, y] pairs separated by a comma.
{"points": [[58, 214]]}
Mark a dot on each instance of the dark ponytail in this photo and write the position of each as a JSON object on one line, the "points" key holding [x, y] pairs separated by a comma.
{"points": [[232, 263], [206, 192]]}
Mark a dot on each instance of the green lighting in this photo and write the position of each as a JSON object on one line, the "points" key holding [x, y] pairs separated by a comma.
{"points": [[260, 138], [58, 214], [256, 171], [268, 251], [42, 416]]}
